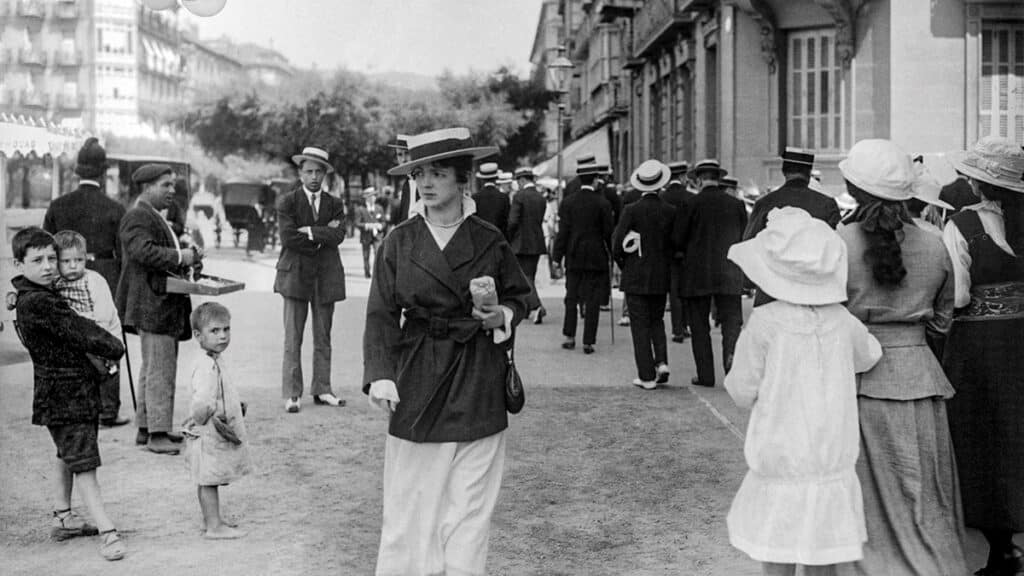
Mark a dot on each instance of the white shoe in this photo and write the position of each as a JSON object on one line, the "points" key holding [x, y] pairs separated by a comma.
{"points": [[328, 399], [624, 321], [645, 384], [662, 371], [292, 405]]}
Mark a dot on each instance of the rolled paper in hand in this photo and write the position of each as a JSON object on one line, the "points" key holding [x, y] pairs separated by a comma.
{"points": [[483, 291]]}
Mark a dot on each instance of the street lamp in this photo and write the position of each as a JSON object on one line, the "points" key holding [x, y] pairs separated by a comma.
{"points": [[559, 70]]}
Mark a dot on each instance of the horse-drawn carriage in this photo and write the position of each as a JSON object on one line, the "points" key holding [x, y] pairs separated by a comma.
{"points": [[249, 207]]}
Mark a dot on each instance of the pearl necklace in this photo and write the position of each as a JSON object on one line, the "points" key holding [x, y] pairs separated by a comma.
{"points": [[452, 225]]}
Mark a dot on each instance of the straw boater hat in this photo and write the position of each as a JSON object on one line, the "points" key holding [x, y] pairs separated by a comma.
{"points": [[318, 155], [505, 178], [797, 159], [997, 161], [369, 192], [679, 168], [400, 142], [796, 258], [650, 176], [880, 168], [439, 145], [488, 171], [709, 165], [591, 168], [730, 182], [525, 172]]}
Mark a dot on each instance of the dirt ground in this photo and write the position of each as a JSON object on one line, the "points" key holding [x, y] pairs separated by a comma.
{"points": [[601, 478]]}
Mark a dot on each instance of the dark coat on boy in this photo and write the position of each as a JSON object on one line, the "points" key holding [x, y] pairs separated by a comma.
{"points": [[449, 373], [493, 206], [58, 339], [150, 256], [307, 267], [645, 271], [97, 217]]}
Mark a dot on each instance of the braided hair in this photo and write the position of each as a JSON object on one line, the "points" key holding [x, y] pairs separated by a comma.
{"points": [[882, 221]]}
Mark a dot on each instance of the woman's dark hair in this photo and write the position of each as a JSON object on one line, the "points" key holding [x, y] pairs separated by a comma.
{"points": [[1013, 212], [916, 206], [882, 222], [463, 166]]}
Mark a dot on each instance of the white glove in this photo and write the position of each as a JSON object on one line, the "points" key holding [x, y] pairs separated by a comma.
{"points": [[384, 395]]}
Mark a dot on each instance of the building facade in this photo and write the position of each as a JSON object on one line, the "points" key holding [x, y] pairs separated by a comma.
{"points": [[739, 80]]}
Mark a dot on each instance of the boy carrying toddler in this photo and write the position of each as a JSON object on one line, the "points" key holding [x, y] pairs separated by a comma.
{"points": [[66, 395]]}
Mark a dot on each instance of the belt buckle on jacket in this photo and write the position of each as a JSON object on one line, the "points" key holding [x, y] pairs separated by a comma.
{"points": [[438, 327]]}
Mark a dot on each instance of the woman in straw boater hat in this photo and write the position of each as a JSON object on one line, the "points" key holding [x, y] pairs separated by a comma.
{"points": [[983, 354], [796, 364], [900, 285], [439, 372]]}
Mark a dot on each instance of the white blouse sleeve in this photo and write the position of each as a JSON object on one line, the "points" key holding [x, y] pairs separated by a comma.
{"points": [[959, 253]]}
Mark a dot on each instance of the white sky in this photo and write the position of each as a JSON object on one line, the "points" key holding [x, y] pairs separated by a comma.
{"points": [[420, 36]]}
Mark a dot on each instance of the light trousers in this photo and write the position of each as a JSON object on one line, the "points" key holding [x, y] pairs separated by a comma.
{"points": [[438, 502], [156, 382], [295, 314]]}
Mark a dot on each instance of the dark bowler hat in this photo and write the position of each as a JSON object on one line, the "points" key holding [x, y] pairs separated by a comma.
{"points": [[92, 159], [318, 155], [439, 145], [149, 172], [525, 172], [679, 168], [709, 165], [797, 159]]}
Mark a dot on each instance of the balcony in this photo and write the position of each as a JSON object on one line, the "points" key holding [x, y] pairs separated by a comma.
{"points": [[32, 57], [609, 10], [658, 18], [66, 10], [34, 99], [66, 59], [71, 101], [32, 9]]}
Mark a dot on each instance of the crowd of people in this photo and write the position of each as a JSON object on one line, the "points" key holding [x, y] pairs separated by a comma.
{"points": [[880, 360]]}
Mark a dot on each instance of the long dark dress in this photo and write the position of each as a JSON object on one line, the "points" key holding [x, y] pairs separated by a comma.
{"points": [[985, 363]]}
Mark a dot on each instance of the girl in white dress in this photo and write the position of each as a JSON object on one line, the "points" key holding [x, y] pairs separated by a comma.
{"points": [[795, 365]]}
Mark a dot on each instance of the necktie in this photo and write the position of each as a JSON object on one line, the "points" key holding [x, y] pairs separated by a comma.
{"points": [[313, 204]]}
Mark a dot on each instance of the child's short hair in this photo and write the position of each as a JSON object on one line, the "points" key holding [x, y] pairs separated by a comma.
{"points": [[31, 237], [206, 312], [68, 239]]}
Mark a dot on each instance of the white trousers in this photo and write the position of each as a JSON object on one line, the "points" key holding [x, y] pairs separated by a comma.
{"points": [[438, 502]]}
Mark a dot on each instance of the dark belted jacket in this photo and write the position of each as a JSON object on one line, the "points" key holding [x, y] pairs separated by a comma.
{"points": [[449, 372]]}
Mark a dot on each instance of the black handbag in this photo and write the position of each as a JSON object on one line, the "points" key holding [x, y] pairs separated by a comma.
{"points": [[515, 397]]}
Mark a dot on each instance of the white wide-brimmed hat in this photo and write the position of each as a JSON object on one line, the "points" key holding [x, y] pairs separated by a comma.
{"points": [[650, 176], [880, 168], [927, 188], [439, 145], [318, 155], [997, 161], [796, 258]]}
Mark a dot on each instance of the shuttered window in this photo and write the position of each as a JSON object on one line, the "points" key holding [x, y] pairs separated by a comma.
{"points": [[815, 92], [1001, 101]]}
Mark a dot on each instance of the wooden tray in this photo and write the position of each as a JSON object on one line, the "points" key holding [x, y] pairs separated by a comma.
{"points": [[207, 285]]}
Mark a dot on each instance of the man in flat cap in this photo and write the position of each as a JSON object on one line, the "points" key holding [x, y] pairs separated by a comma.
{"points": [[309, 276], [152, 252], [491, 204], [97, 217], [676, 194]]}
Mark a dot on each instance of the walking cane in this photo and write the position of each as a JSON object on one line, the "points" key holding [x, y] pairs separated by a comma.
{"points": [[611, 300], [128, 365]]}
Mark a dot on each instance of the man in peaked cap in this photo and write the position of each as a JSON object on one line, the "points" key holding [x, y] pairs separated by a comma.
{"points": [[676, 194], [526, 232], [152, 253], [491, 204], [97, 217], [309, 276]]}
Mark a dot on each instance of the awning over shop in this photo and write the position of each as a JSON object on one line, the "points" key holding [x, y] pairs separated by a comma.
{"points": [[595, 143], [23, 137]]}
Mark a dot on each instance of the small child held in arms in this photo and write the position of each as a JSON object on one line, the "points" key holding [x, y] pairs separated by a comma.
{"points": [[66, 395], [215, 429], [796, 364], [87, 293]]}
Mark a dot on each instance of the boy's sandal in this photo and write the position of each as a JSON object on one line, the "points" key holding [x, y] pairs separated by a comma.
{"points": [[113, 547]]}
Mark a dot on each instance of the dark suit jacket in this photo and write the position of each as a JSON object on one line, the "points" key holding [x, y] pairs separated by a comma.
{"points": [[90, 212], [611, 194], [584, 231], [676, 194], [526, 222], [308, 268], [792, 193], [149, 257], [400, 209], [493, 207], [450, 374], [647, 270], [631, 195], [704, 230], [363, 217]]}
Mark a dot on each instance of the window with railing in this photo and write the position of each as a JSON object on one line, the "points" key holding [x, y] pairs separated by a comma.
{"points": [[815, 92], [1001, 97]]}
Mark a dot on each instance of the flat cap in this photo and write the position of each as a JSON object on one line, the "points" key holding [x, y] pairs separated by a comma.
{"points": [[150, 172]]}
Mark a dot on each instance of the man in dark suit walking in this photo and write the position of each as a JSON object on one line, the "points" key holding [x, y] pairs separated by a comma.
{"points": [[678, 196], [97, 217], [309, 276], [642, 245], [704, 230], [407, 195], [491, 204], [526, 229], [584, 238], [152, 253]]}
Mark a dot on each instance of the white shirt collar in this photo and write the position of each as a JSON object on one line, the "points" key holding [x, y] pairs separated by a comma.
{"points": [[86, 182], [310, 193], [586, 187]]}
